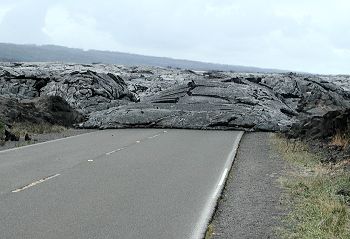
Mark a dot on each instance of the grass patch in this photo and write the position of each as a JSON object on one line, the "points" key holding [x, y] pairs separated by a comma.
{"points": [[312, 188], [210, 232], [2, 133], [2, 125], [25, 143], [295, 152], [340, 140], [20, 129]]}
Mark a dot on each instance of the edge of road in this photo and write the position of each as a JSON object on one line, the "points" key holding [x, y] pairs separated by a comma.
{"points": [[207, 215], [45, 142], [211, 204]]}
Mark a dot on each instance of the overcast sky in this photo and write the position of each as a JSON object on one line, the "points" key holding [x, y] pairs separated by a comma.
{"points": [[304, 35]]}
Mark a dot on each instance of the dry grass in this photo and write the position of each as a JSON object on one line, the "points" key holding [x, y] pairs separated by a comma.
{"points": [[24, 143], [317, 211], [2, 133], [20, 129], [341, 140], [2, 126], [210, 232], [295, 152]]}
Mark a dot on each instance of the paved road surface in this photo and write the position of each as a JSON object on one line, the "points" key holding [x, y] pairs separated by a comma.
{"points": [[115, 184]]}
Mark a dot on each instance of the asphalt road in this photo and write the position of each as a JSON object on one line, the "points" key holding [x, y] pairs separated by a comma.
{"points": [[115, 184]]}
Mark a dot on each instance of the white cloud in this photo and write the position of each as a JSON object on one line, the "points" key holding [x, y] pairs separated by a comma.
{"points": [[4, 9], [76, 30], [301, 35]]}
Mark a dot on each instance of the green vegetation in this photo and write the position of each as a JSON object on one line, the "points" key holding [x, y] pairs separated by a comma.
{"points": [[318, 209]]}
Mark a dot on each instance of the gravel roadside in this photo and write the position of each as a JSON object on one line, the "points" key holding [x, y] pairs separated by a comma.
{"points": [[39, 138], [250, 204]]}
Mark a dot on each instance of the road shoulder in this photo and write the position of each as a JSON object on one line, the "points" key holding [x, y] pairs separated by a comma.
{"points": [[40, 138], [250, 205]]}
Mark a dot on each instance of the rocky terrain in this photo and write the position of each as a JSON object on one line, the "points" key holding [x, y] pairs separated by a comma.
{"points": [[111, 96], [46, 109]]}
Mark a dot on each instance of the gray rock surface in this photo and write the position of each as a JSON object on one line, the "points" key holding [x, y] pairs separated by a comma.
{"points": [[270, 102], [322, 127], [45, 109], [114, 96], [84, 89]]}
